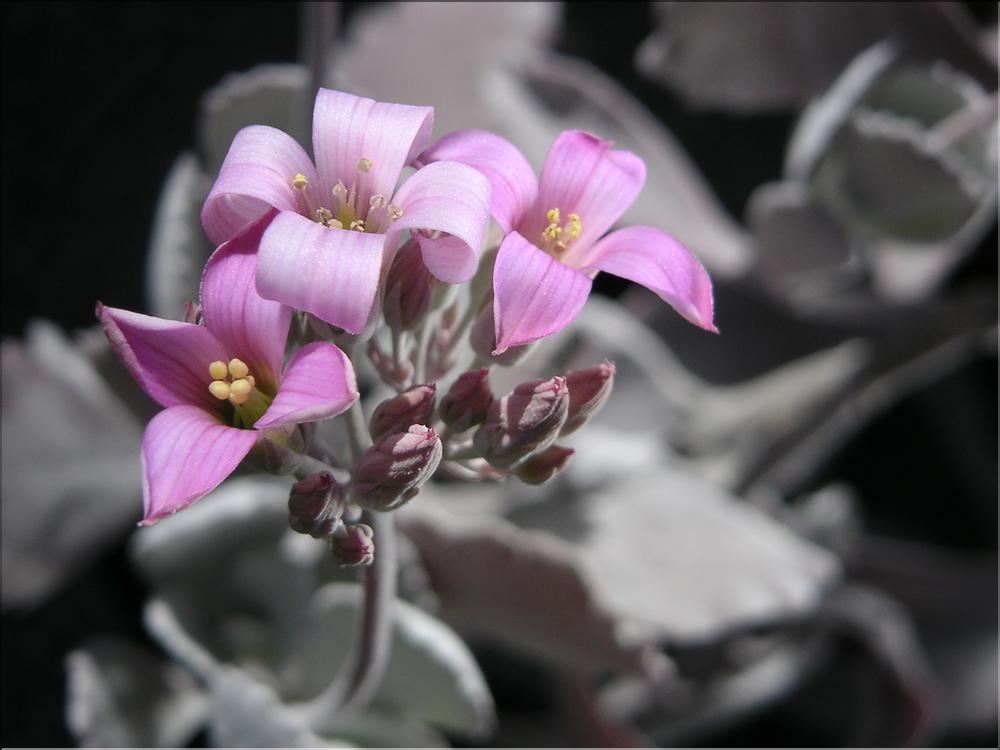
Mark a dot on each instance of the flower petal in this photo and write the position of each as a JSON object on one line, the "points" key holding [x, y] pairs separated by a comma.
{"points": [[186, 453], [451, 198], [168, 358], [256, 175], [251, 327], [583, 175], [348, 128], [534, 294], [318, 383], [332, 273], [660, 263], [512, 180]]}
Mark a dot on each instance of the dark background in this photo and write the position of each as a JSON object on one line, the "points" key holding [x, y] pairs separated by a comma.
{"points": [[98, 101]]}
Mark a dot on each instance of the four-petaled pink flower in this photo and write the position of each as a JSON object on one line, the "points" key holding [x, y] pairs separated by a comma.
{"points": [[340, 221], [555, 241], [222, 383]]}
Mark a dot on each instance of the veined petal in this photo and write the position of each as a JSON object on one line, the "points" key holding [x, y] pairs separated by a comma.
{"points": [[257, 175], [348, 128], [534, 294], [318, 383], [582, 175], [332, 273], [451, 198], [512, 180], [660, 263], [168, 358], [251, 327], [186, 453]]}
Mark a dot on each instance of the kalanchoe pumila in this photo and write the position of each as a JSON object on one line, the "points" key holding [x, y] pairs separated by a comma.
{"points": [[413, 406], [588, 391], [315, 505], [409, 289], [467, 401], [555, 241], [354, 544], [339, 222], [222, 383], [541, 467]]}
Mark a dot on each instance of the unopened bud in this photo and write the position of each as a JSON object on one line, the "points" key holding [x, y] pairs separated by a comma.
{"points": [[315, 505], [523, 422], [483, 340], [413, 406], [392, 471], [588, 390], [467, 401], [541, 467], [354, 544], [395, 374], [409, 289]]}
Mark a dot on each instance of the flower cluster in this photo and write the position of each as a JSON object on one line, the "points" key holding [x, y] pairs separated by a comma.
{"points": [[319, 260]]}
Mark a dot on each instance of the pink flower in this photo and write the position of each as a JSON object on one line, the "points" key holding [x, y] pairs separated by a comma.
{"points": [[556, 241], [339, 222], [222, 382]]}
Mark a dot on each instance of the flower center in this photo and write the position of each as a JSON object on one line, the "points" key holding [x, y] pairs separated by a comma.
{"points": [[235, 384], [556, 237], [344, 211]]}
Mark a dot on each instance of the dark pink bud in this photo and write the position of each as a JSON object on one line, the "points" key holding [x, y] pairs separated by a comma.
{"points": [[523, 422], [413, 406], [541, 467], [588, 390], [467, 401], [393, 471], [354, 544], [409, 289], [315, 505], [483, 340]]}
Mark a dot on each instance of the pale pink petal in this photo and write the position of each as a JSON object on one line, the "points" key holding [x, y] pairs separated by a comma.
{"points": [[348, 128], [318, 383], [168, 358], [257, 175], [251, 327], [512, 180], [186, 453], [332, 273], [534, 294], [660, 263], [451, 198], [583, 175]]}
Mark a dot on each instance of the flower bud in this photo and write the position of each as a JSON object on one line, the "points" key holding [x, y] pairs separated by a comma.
{"points": [[395, 374], [523, 422], [413, 406], [409, 289], [541, 467], [588, 390], [467, 401], [392, 471], [315, 505], [354, 544]]}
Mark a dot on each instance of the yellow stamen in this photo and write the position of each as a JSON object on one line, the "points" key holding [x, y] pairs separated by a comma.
{"points": [[219, 389], [364, 165], [237, 399], [323, 215], [238, 368], [553, 215], [334, 224], [299, 182], [358, 224], [250, 380], [395, 211], [376, 201], [218, 370], [241, 387]]}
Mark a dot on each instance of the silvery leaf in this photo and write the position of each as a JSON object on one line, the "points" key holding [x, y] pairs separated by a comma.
{"points": [[751, 57], [431, 674], [70, 464], [272, 95], [178, 248], [384, 59], [121, 695], [674, 557]]}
